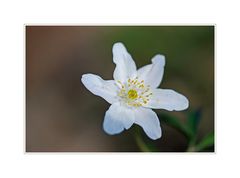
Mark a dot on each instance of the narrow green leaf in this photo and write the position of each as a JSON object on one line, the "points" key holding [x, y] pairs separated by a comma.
{"points": [[194, 119], [206, 142], [175, 123]]}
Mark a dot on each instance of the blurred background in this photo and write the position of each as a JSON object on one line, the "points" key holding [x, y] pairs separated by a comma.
{"points": [[62, 115]]}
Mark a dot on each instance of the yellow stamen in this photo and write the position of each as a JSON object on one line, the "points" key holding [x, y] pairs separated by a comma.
{"points": [[134, 92]]}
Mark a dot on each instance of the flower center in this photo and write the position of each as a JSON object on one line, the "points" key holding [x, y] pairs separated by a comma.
{"points": [[134, 93]]}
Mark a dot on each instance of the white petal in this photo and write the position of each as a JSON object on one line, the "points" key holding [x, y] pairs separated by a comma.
{"points": [[117, 118], [125, 66], [149, 121], [103, 88], [152, 74], [167, 99]]}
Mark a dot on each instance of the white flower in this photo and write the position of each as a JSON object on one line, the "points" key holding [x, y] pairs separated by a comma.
{"points": [[133, 92]]}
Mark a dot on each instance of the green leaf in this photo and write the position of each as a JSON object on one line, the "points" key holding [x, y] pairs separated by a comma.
{"points": [[175, 123], [193, 120], [206, 142]]}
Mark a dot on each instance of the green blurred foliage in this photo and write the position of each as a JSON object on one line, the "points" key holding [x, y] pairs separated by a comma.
{"points": [[188, 129], [206, 142]]}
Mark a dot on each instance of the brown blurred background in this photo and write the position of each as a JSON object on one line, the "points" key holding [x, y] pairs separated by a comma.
{"points": [[61, 115]]}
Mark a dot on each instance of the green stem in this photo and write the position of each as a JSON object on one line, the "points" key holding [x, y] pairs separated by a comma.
{"points": [[191, 145], [142, 146]]}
